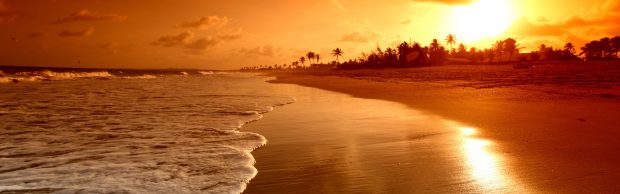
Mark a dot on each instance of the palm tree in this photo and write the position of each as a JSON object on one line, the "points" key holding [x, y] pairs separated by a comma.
{"points": [[302, 60], [615, 43], [510, 46], [310, 56], [451, 40], [597, 49], [317, 57], [337, 53], [499, 48], [490, 53], [462, 50], [605, 44], [569, 48], [435, 45]]}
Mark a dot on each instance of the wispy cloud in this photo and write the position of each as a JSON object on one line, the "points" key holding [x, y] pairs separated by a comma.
{"points": [[338, 5], [76, 33], [577, 29], [172, 41], [37, 34], [359, 37], [203, 43], [109, 47], [86, 16], [206, 22], [266, 51], [187, 40], [230, 34]]}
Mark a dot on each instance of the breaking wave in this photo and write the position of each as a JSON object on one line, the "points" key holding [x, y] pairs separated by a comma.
{"points": [[175, 134], [53, 75]]}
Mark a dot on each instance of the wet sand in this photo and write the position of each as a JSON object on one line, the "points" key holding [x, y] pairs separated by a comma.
{"points": [[544, 131], [329, 142]]}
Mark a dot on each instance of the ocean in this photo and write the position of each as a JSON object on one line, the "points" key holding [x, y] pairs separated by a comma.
{"points": [[130, 131]]}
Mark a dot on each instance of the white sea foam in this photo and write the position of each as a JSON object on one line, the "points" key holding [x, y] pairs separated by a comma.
{"points": [[47, 75], [168, 135], [5, 80], [145, 76], [206, 72]]}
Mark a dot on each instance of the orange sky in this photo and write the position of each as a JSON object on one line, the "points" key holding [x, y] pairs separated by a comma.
{"points": [[230, 34]]}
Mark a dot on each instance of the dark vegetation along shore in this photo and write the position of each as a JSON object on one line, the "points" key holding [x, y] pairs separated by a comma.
{"points": [[413, 54]]}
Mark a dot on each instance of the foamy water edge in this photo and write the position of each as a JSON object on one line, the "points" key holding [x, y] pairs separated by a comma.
{"points": [[236, 132]]}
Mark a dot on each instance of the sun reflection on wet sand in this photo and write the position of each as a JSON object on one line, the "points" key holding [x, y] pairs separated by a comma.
{"points": [[484, 165]]}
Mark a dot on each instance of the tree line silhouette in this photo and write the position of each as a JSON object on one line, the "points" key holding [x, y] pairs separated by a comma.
{"points": [[413, 54]]}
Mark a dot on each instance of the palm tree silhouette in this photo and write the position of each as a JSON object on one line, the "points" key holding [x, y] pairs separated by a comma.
{"points": [[597, 49], [302, 60], [510, 46], [337, 53], [605, 46], [451, 40], [569, 48], [615, 43], [435, 45], [317, 57], [499, 48], [310, 56]]}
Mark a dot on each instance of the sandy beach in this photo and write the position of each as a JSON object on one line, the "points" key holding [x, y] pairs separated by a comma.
{"points": [[548, 129]]}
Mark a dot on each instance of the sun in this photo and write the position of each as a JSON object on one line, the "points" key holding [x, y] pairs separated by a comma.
{"points": [[482, 19]]}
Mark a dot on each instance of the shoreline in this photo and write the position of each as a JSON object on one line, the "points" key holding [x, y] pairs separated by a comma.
{"points": [[331, 142], [553, 141]]}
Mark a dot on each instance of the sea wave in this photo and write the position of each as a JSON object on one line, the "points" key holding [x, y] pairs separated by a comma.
{"points": [[54, 75], [145, 76], [47, 75], [206, 72], [176, 134]]}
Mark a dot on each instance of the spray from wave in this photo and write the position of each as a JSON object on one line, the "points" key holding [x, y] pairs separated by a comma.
{"points": [[39, 74]]}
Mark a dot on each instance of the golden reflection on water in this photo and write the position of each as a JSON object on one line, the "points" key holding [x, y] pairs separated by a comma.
{"points": [[484, 165]]}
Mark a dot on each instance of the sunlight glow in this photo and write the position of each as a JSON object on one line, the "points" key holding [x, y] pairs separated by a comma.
{"points": [[483, 19], [484, 164], [468, 131]]}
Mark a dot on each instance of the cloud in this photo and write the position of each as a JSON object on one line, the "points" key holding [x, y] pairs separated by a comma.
{"points": [[207, 22], [577, 29], [37, 34], [599, 25], [230, 34], [172, 41], [86, 16], [338, 4], [109, 48], [185, 40], [203, 43], [525, 27], [76, 33], [406, 22], [266, 51], [359, 37], [447, 2], [6, 13]]}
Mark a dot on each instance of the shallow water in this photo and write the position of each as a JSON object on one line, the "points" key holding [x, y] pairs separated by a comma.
{"points": [[144, 133]]}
